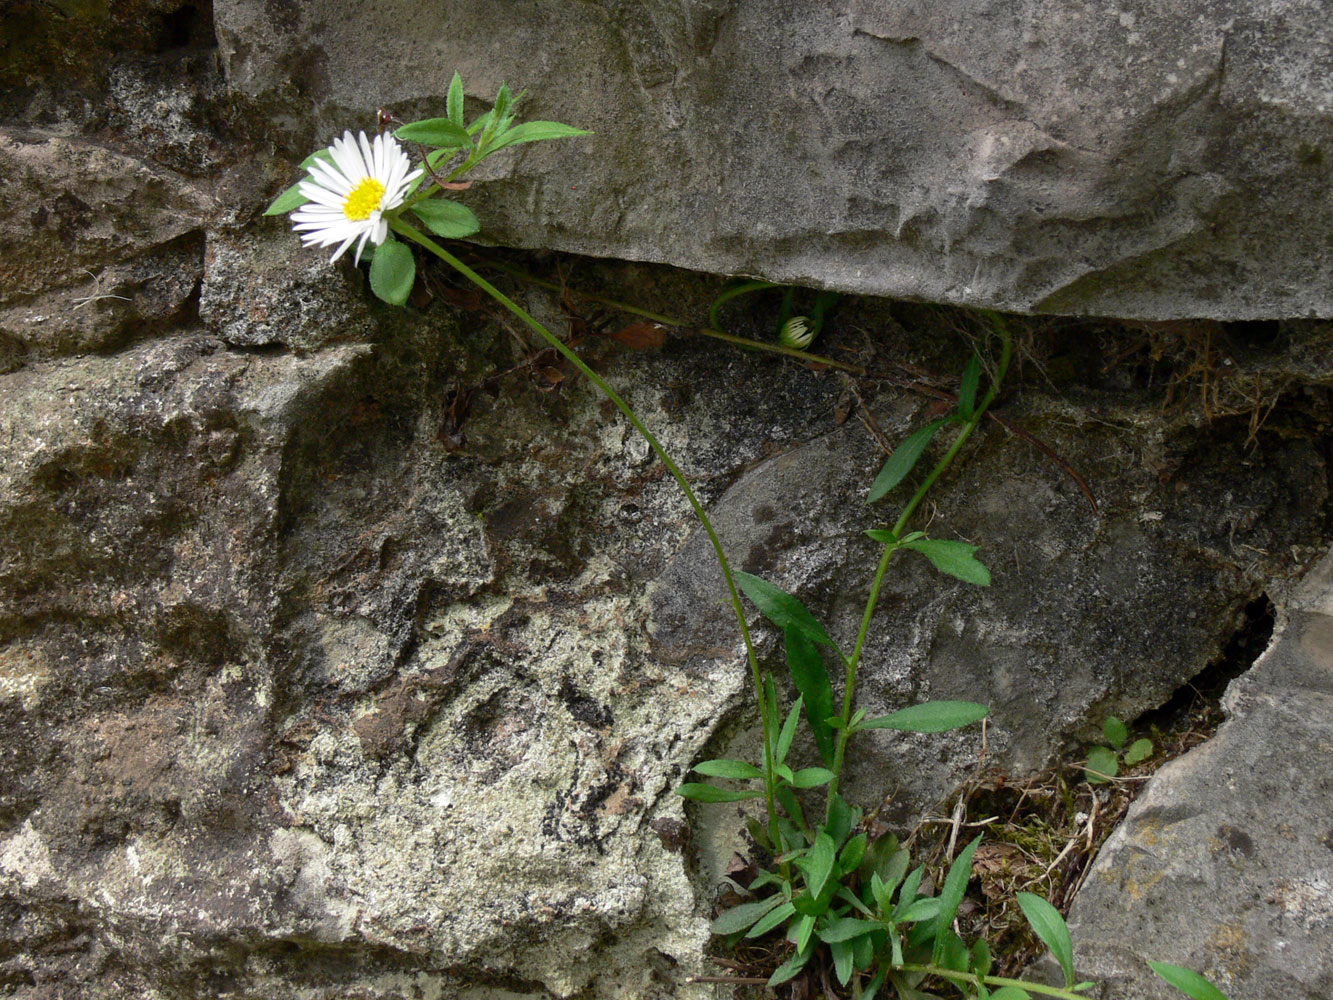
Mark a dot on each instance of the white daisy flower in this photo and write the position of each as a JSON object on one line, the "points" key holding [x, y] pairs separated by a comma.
{"points": [[350, 193]]}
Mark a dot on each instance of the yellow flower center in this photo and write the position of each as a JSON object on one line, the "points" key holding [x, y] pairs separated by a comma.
{"points": [[364, 199]]}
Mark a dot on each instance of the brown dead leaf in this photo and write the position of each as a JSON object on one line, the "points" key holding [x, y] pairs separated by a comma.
{"points": [[641, 336]]}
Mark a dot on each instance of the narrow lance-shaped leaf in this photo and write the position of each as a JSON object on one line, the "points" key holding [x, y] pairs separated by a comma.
{"points": [[823, 854], [811, 777], [1187, 981], [1011, 993], [953, 558], [700, 792], [955, 885], [1051, 928], [788, 732], [736, 769], [903, 459], [842, 960], [967, 389], [536, 132], [812, 681], [846, 928], [788, 969], [292, 198], [454, 103], [770, 920], [392, 272], [930, 717], [435, 132], [781, 608], [739, 918]]}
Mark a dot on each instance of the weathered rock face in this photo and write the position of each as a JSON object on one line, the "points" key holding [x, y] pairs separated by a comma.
{"points": [[1144, 159], [1225, 864], [371, 666], [354, 651]]}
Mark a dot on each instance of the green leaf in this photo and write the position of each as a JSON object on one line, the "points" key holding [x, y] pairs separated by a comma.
{"points": [[849, 897], [435, 132], [454, 104], [930, 717], [842, 960], [841, 819], [1051, 928], [772, 919], [967, 389], [863, 952], [846, 928], [812, 681], [955, 559], [955, 886], [700, 792], [883, 535], [820, 860], [788, 969], [800, 933], [392, 273], [536, 132], [1010, 993], [893, 871], [292, 199], [925, 908], [981, 958], [787, 799], [737, 769], [1102, 764], [788, 732], [953, 954], [781, 608], [811, 777], [1187, 981], [883, 894], [447, 218], [903, 459], [907, 894], [783, 772], [738, 918], [849, 858], [1115, 731], [289, 201], [1139, 750]]}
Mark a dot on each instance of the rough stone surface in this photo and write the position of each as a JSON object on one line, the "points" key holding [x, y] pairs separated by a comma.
{"points": [[1141, 159], [370, 666], [355, 652], [99, 246], [1225, 864]]}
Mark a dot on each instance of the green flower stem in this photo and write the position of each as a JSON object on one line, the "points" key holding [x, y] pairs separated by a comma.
{"points": [[625, 307], [971, 977], [849, 689], [770, 780]]}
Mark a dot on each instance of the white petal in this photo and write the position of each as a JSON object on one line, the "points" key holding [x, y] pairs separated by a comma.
{"points": [[321, 196], [367, 154], [327, 176], [343, 249], [347, 157], [362, 245]]}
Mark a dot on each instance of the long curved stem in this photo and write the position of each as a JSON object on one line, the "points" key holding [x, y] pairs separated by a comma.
{"points": [[770, 782], [971, 977], [849, 688]]}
